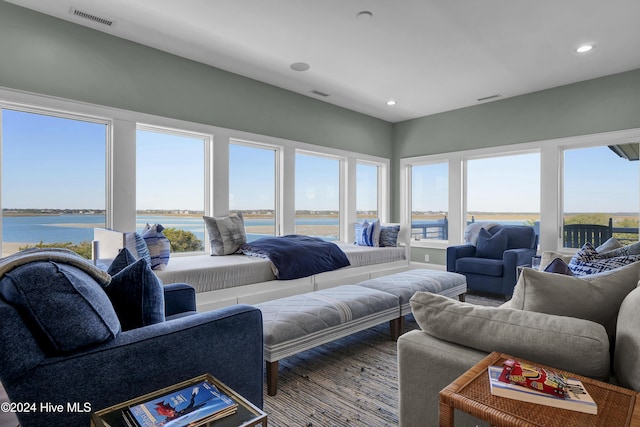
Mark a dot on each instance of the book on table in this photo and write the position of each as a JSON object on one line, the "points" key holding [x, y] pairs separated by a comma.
{"points": [[576, 399], [190, 406]]}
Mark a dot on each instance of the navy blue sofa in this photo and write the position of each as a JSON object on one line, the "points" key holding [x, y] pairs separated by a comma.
{"points": [[496, 274], [226, 343]]}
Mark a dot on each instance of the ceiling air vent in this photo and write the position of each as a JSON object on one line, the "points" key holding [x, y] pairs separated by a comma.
{"points": [[486, 98], [317, 92], [93, 18]]}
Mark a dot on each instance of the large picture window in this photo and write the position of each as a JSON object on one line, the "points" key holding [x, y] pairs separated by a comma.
{"points": [[53, 180], [170, 177], [252, 188], [367, 188], [317, 198], [429, 201], [600, 192], [504, 189]]}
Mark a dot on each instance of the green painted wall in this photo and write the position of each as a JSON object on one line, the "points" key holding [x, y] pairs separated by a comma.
{"points": [[599, 105], [50, 56]]}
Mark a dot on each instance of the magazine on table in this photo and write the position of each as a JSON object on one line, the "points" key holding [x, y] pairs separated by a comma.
{"points": [[576, 398], [190, 406]]}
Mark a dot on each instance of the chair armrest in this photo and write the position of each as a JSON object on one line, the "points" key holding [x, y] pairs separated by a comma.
{"points": [[179, 298], [226, 343], [458, 251], [511, 258]]}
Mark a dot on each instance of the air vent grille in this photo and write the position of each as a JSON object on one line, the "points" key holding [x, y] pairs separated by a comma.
{"points": [[319, 93], [486, 98], [92, 17]]}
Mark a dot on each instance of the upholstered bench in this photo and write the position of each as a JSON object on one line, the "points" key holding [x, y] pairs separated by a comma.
{"points": [[300, 322], [405, 284]]}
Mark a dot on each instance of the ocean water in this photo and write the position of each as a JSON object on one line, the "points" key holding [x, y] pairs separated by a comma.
{"points": [[78, 228]]}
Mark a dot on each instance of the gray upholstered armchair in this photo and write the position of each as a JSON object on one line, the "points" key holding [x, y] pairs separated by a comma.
{"points": [[69, 347], [490, 264]]}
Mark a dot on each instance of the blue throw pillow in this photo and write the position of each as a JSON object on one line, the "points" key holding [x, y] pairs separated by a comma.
{"points": [[137, 296], [588, 261], [121, 261], [491, 246], [63, 306], [558, 266], [367, 233], [137, 246], [389, 235]]}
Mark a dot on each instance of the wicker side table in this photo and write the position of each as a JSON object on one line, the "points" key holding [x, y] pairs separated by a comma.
{"points": [[471, 393]]}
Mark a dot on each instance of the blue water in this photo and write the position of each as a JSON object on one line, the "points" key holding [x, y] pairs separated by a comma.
{"points": [[78, 228]]}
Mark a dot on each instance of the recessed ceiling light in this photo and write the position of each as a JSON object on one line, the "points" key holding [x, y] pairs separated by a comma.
{"points": [[365, 15], [391, 102], [300, 66], [584, 48]]}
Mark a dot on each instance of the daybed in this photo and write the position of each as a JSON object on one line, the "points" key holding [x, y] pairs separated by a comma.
{"points": [[226, 280], [584, 325]]}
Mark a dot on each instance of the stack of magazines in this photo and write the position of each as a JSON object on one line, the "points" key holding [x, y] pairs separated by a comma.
{"points": [[192, 406], [575, 396]]}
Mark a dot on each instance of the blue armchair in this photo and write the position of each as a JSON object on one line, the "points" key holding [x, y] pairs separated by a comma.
{"points": [[226, 343], [490, 265]]}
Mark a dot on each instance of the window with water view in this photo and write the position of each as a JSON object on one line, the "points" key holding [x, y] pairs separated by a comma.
{"points": [[366, 191], [53, 181], [429, 201], [170, 186]]}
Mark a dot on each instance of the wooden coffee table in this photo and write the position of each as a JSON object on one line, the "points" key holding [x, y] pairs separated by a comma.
{"points": [[471, 393]]}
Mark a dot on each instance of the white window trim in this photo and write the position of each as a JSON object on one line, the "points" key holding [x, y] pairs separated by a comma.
{"points": [[121, 198], [550, 181]]}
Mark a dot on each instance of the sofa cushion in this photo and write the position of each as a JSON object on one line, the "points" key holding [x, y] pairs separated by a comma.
{"points": [[548, 339], [226, 234], [484, 266], [63, 306], [158, 244], [596, 297], [610, 244], [491, 245], [626, 363], [632, 249], [137, 296]]}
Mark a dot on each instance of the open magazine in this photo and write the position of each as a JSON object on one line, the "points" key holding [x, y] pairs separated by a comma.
{"points": [[190, 406]]}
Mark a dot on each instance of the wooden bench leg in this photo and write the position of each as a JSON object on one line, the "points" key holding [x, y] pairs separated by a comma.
{"points": [[461, 297], [396, 327], [272, 378]]}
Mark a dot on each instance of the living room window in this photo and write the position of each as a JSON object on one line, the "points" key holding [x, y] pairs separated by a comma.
{"points": [[170, 185], [53, 179], [252, 187], [600, 194], [430, 201], [367, 190], [504, 189], [317, 196]]}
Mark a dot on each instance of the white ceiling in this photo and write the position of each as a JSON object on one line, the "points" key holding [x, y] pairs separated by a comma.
{"points": [[429, 55]]}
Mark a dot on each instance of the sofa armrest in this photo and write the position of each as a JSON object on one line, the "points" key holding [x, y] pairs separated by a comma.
{"points": [[226, 343], [179, 298], [459, 251]]}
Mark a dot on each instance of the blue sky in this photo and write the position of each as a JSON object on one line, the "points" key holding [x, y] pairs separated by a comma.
{"points": [[50, 162]]}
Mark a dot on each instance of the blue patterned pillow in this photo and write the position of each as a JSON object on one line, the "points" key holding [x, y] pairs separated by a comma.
{"points": [[389, 235], [367, 233], [158, 244], [588, 261], [137, 246]]}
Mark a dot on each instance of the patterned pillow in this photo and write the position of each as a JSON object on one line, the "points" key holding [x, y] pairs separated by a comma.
{"points": [[389, 235], [137, 246], [226, 234], [588, 261], [367, 233], [158, 244]]}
